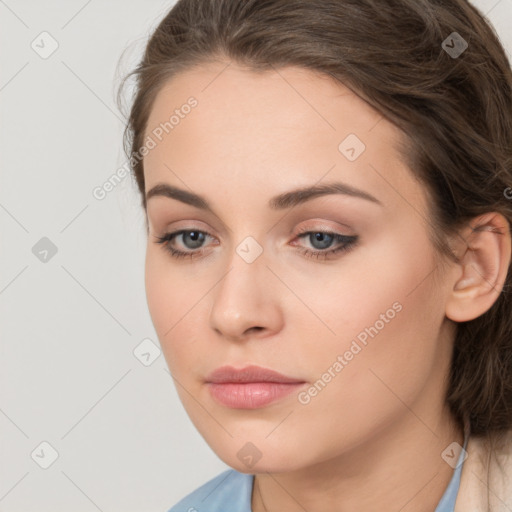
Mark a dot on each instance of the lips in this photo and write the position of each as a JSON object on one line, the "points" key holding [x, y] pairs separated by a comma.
{"points": [[251, 387], [228, 374]]}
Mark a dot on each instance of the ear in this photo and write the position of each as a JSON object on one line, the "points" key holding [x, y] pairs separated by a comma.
{"points": [[484, 261]]}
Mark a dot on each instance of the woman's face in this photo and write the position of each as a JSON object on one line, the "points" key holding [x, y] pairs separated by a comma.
{"points": [[360, 332]]}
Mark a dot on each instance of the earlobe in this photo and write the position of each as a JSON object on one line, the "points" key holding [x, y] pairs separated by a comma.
{"points": [[483, 266]]}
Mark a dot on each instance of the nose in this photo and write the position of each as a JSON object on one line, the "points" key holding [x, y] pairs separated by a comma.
{"points": [[246, 301]]}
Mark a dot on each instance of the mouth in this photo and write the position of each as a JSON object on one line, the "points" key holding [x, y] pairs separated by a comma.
{"points": [[250, 387]]}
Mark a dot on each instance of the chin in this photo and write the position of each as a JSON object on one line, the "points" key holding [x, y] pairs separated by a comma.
{"points": [[249, 458]]}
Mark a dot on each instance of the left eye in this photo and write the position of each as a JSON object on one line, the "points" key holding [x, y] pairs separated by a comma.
{"points": [[324, 239], [196, 238]]}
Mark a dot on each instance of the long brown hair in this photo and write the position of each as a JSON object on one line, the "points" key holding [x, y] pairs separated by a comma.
{"points": [[455, 111]]}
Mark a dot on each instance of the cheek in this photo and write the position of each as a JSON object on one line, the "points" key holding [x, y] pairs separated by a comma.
{"points": [[388, 312], [159, 295], [378, 278], [175, 306], [379, 305], [387, 361]]}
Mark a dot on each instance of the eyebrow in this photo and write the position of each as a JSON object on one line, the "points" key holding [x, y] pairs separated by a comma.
{"points": [[279, 202]]}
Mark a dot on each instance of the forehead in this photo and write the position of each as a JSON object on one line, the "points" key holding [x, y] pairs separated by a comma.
{"points": [[269, 129], [227, 93]]}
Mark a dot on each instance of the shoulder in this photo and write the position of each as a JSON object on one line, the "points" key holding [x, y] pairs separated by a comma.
{"points": [[229, 491], [486, 478]]}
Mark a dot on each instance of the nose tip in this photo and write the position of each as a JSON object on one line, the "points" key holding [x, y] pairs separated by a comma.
{"points": [[243, 303]]}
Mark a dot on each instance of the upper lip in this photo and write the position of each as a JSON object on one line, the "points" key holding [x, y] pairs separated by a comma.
{"points": [[229, 374]]}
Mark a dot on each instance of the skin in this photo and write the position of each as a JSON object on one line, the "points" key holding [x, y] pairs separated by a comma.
{"points": [[372, 438]]}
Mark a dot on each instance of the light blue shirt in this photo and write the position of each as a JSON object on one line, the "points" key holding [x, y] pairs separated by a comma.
{"points": [[231, 492]]}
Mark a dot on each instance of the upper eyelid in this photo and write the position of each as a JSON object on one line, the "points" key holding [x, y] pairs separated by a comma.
{"points": [[317, 225], [310, 210]]}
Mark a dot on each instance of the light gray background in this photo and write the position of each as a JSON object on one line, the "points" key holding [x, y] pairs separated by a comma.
{"points": [[70, 325]]}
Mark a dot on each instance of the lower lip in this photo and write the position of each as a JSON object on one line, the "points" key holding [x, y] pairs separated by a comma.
{"points": [[251, 395]]}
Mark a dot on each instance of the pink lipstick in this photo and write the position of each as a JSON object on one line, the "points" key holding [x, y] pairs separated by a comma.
{"points": [[251, 387]]}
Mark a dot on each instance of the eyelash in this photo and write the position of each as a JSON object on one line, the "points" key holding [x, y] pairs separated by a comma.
{"points": [[349, 243]]}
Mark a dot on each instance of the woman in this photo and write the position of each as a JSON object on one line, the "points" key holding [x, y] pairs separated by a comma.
{"points": [[326, 186]]}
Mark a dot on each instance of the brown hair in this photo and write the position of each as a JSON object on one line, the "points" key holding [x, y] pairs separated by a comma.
{"points": [[455, 112]]}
